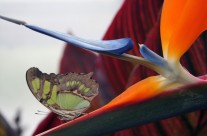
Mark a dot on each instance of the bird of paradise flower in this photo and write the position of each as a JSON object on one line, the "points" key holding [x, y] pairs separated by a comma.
{"points": [[181, 23], [178, 31]]}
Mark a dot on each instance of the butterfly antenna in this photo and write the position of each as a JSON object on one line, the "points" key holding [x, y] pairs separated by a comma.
{"points": [[15, 21], [41, 112]]}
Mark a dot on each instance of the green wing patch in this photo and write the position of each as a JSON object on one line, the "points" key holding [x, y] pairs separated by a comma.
{"points": [[36, 84], [53, 97], [67, 95], [70, 101]]}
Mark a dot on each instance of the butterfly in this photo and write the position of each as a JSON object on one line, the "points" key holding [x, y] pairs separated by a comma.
{"points": [[68, 95]]}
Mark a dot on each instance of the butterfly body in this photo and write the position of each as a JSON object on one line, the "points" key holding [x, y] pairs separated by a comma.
{"points": [[67, 95]]}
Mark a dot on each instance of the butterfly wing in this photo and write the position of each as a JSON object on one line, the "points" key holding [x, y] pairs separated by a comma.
{"points": [[67, 95]]}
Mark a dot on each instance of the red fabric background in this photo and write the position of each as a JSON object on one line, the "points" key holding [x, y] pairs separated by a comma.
{"points": [[138, 19]]}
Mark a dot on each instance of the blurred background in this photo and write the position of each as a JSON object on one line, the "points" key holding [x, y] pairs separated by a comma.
{"points": [[21, 48]]}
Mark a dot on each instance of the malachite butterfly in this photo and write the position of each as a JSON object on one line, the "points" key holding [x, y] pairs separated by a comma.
{"points": [[68, 95]]}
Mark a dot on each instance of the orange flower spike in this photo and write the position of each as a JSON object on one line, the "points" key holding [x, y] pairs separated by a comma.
{"points": [[191, 22]]}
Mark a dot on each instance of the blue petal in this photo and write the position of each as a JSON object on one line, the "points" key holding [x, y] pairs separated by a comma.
{"points": [[152, 56], [116, 47]]}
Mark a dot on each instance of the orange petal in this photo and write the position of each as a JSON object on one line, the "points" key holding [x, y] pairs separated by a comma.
{"points": [[140, 91], [170, 14], [191, 22]]}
